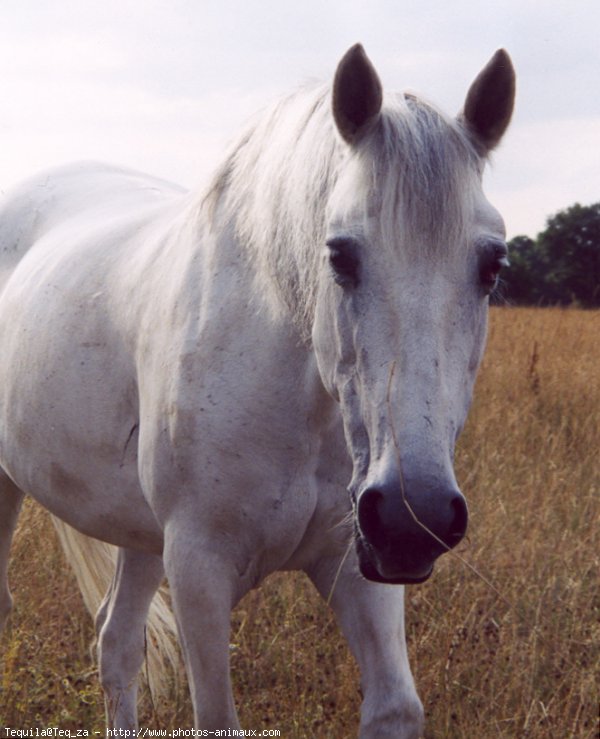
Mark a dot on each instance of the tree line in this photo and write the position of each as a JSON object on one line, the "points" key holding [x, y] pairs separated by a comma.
{"points": [[559, 267]]}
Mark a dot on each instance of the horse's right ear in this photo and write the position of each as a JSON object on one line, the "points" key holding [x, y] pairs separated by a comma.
{"points": [[357, 95]]}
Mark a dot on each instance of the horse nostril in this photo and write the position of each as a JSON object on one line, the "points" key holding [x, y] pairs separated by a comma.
{"points": [[369, 515], [385, 519], [458, 526]]}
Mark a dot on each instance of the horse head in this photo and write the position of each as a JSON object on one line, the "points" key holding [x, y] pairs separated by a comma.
{"points": [[413, 250]]}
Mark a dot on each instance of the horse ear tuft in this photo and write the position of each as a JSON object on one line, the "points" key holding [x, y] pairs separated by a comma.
{"points": [[490, 101], [357, 95]]}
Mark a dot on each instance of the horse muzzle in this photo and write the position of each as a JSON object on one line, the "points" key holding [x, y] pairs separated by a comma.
{"points": [[401, 529]]}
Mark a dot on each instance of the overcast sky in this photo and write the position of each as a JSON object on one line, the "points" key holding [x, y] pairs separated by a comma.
{"points": [[163, 85]]}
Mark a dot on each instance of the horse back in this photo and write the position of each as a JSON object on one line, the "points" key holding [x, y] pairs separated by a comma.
{"points": [[89, 192]]}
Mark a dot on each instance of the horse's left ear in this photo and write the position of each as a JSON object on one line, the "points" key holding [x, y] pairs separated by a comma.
{"points": [[357, 94], [490, 101]]}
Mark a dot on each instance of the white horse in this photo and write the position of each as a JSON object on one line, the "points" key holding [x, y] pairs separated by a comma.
{"points": [[199, 380]]}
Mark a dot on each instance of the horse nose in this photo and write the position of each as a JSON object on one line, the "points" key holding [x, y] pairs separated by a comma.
{"points": [[387, 516]]}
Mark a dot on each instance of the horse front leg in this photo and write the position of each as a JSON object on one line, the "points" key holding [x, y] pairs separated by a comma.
{"points": [[371, 616], [120, 626], [202, 586]]}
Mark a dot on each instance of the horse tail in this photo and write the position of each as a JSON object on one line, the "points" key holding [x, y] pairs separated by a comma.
{"points": [[94, 563]]}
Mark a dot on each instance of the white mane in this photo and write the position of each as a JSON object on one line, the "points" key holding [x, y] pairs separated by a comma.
{"points": [[275, 184]]}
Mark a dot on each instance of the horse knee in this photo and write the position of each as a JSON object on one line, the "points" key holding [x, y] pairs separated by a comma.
{"points": [[399, 715], [118, 667], [120, 657]]}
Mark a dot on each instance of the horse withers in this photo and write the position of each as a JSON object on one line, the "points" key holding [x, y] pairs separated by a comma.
{"points": [[198, 380]]}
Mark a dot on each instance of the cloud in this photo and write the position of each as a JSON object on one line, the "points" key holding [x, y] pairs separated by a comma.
{"points": [[163, 86], [546, 166]]}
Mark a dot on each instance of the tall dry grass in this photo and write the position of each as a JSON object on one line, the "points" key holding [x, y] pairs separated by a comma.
{"points": [[510, 653]]}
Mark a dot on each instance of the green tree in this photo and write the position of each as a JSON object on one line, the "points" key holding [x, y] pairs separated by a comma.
{"points": [[523, 279], [570, 246], [562, 265]]}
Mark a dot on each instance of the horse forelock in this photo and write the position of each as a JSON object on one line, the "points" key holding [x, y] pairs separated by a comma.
{"points": [[423, 167], [274, 186]]}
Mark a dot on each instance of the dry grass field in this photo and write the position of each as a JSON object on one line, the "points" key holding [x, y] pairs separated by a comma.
{"points": [[510, 652]]}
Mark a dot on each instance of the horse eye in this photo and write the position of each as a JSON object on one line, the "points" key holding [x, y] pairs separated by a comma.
{"points": [[492, 262], [344, 261]]}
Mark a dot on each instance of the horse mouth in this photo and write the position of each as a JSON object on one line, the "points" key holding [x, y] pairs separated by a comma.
{"points": [[398, 573]]}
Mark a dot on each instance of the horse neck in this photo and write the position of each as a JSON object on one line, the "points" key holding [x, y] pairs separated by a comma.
{"points": [[273, 190]]}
